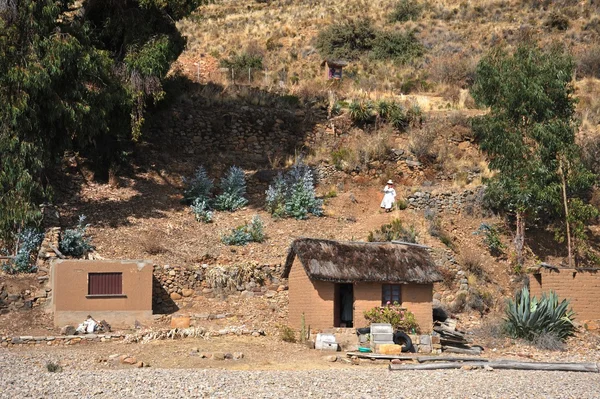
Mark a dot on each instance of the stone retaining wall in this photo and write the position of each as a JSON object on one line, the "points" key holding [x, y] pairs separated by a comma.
{"points": [[58, 340], [174, 286], [245, 135], [447, 201]]}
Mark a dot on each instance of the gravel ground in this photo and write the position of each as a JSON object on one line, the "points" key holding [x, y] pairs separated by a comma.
{"points": [[25, 376]]}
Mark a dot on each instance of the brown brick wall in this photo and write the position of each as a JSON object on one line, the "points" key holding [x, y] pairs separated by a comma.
{"points": [[418, 298], [316, 300], [582, 288], [366, 296]]}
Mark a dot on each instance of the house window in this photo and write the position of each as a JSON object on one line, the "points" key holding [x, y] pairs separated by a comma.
{"points": [[390, 293], [105, 284]]}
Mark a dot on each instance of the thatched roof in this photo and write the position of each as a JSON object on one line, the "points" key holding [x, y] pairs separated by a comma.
{"points": [[335, 63], [348, 262]]}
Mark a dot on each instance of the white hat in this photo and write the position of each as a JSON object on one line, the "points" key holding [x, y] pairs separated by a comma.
{"points": [[390, 182]]}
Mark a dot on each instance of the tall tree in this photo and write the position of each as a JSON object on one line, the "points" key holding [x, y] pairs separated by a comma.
{"points": [[529, 133], [75, 77]]}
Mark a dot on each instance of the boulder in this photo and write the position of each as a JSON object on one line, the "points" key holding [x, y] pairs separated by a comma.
{"points": [[68, 330], [180, 321], [175, 296]]}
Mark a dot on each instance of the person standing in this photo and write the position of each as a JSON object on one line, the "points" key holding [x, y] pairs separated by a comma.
{"points": [[389, 196]]}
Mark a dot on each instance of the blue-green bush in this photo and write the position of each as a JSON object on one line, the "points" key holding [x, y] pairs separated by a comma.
{"points": [[24, 261], [293, 195], [233, 186], [242, 235], [201, 210], [199, 186], [74, 242]]}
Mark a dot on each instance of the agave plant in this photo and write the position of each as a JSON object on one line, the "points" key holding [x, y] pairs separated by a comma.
{"points": [[527, 317], [361, 111]]}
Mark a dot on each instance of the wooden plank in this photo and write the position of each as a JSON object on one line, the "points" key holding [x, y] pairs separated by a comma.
{"points": [[462, 351], [425, 359], [362, 355], [503, 365]]}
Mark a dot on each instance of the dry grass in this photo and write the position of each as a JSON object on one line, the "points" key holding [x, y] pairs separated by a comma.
{"points": [[456, 34], [152, 244]]}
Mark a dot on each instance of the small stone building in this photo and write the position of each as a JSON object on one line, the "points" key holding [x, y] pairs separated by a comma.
{"points": [[333, 68], [331, 282], [580, 286], [119, 292]]}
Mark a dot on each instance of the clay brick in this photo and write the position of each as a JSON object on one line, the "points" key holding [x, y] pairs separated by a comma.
{"points": [[580, 287]]}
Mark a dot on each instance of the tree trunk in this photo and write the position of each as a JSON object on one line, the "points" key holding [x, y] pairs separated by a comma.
{"points": [[520, 237], [504, 365], [566, 204]]}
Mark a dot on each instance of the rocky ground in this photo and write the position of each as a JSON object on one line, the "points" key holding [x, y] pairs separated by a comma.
{"points": [[268, 368], [23, 374]]}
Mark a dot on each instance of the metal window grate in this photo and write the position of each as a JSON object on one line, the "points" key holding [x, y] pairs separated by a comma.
{"points": [[105, 283]]}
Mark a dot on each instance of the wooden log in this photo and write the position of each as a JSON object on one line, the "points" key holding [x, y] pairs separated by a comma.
{"points": [[425, 359], [363, 355], [503, 365], [462, 351]]}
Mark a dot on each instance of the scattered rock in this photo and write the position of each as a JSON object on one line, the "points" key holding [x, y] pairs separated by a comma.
{"points": [[488, 368], [187, 292], [218, 356], [139, 364], [238, 355], [126, 359], [331, 358], [468, 367], [68, 330], [175, 296]]}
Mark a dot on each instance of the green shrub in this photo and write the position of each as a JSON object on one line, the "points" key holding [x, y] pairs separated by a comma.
{"points": [[527, 317], [294, 195], [436, 229], [361, 111], [491, 238], [242, 235], [398, 118], [401, 204], [340, 156], [397, 316], [199, 186], [240, 63], [393, 231], [401, 47], [233, 186], [53, 367], [74, 242], [347, 40], [557, 21], [287, 334], [24, 261], [201, 210], [406, 10]]}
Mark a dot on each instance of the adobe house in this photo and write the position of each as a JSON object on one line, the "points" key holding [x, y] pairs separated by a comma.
{"points": [[334, 282], [119, 292], [580, 286], [333, 68]]}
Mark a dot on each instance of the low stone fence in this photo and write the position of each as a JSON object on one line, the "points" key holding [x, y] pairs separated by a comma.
{"points": [[175, 285], [58, 340], [447, 201]]}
